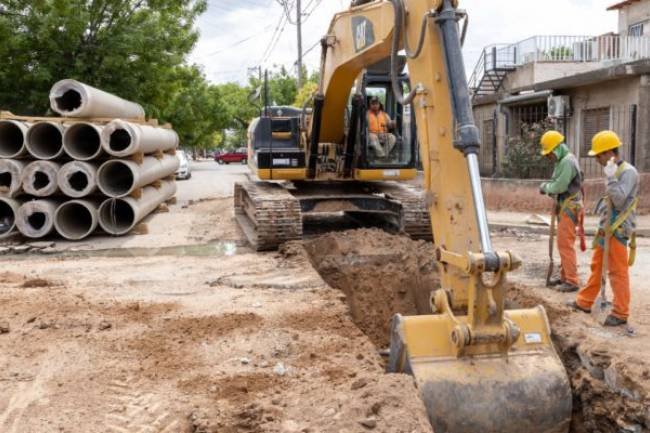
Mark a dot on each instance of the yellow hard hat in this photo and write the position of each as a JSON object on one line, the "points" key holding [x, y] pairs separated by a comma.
{"points": [[550, 140], [604, 141]]}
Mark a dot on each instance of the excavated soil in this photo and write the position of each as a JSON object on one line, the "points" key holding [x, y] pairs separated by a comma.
{"points": [[380, 274], [611, 388]]}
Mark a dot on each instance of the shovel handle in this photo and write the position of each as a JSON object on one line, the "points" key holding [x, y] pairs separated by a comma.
{"points": [[551, 242]]}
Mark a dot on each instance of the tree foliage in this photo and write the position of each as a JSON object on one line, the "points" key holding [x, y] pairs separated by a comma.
{"points": [[136, 49], [127, 47]]}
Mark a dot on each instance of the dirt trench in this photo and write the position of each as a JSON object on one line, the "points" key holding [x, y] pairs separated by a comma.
{"points": [[380, 274], [383, 274]]}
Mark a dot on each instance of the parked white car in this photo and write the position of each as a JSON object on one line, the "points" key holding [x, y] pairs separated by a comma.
{"points": [[183, 171]]}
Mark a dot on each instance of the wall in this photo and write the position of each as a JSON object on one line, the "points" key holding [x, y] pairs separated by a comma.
{"points": [[619, 95], [532, 73], [524, 196], [634, 14]]}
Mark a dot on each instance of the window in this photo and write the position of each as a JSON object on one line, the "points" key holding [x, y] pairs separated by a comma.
{"points": [[593, 121], [635, 30]]}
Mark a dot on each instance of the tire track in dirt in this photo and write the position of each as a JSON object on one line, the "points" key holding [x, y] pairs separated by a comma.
{"points": [[131, 409]]}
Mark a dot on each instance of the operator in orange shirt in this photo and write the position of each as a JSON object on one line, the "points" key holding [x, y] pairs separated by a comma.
{"points": [[379, 124]]}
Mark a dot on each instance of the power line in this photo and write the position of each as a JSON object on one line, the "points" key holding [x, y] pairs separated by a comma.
{"points": [[239, 42], [274, 38], [317, 43]]}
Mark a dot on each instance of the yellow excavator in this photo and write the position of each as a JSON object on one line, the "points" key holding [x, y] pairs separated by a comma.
{"points": [[478, 367]]}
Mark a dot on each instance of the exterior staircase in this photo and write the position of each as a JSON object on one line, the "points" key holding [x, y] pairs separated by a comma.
{"points": [[495, 63]]}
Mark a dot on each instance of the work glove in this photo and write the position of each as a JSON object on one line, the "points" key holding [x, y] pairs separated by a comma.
{"points": [[610, 168], [542, 189]]}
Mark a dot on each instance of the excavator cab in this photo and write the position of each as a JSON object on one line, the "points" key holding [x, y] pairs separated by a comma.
{"points": [[397, 148]]}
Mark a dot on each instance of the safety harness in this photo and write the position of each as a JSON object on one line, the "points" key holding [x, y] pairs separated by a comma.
{"points": [[573, 208], [612, 228]]}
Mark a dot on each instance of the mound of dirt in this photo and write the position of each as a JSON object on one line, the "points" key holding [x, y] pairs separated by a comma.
{"points": [[611, 388], [381, 275]]}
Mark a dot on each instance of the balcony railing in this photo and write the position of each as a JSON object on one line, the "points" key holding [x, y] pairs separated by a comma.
{"points": [[561, 49]]}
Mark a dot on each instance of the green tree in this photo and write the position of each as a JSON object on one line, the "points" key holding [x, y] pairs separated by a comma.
{"points": [[282, 86], [238, 110], [195, 109], [128, 47]]}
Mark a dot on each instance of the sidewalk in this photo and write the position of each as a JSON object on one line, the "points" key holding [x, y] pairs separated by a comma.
{"points": [[538, 223]]}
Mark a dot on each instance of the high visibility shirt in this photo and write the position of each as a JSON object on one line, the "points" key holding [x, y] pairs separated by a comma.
{"points": [[378, 123]]}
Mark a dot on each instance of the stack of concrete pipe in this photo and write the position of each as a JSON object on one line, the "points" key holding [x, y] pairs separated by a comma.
{"points": [[99, 165]]}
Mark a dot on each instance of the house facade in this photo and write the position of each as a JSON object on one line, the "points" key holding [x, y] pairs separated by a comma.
{"points": [[576, 84]]}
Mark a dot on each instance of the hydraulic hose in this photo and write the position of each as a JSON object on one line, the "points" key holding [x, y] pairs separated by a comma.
{"points": [[398, 7]]}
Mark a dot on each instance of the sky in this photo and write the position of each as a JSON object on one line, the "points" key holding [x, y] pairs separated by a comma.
{"points": [[239, 34]]}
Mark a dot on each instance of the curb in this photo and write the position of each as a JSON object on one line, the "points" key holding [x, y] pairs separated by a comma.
{"points": [[543, 230]]}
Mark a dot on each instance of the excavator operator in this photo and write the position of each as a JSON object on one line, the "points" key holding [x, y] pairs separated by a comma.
{"points": [[379, 124]]}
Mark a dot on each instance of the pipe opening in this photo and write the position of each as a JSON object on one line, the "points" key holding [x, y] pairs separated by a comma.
{"points": [[75, 220], [120, 140], [5, 181], [45, 140], [69, 101], [37, 220], [7, 218], [11, 139], [41, 181], [82, 141], [78, 181], [117, 216], [116, 178]]}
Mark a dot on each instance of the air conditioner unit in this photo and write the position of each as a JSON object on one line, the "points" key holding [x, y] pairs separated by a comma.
{"points": [[559, 106]]}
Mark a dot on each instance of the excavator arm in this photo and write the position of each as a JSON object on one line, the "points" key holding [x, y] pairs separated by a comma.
{"points": [[478, 366]]}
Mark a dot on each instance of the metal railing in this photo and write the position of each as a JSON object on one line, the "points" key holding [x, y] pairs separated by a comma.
{"points": [[493, 58], [560, 49]]}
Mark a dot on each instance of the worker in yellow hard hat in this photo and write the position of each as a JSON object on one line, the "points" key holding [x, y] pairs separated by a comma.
{"points": [[565, 187], [617, 210]]}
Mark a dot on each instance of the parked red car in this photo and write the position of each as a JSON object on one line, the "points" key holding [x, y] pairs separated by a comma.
{"points": [[240, 155]]}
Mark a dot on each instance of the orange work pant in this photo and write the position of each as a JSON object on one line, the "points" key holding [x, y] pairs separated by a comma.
{"points": [[619, 278], [566, 241]]}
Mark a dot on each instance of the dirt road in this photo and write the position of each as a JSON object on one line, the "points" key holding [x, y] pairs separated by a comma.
{"points": [[203, 338], [185, 329]]}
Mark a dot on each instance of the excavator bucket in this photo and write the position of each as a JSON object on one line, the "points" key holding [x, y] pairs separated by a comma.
{"points": [[526, 391]]}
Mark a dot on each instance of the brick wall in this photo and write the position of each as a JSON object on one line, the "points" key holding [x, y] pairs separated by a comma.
{"points": [[524, 196]]}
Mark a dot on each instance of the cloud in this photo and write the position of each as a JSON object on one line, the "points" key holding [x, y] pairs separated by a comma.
{"points": [[236, 33]]}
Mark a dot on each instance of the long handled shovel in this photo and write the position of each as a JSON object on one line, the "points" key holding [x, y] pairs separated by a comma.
{"points": [[602, 306], [551, 242]]}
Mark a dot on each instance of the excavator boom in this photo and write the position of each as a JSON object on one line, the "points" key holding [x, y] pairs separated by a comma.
{"points": [[487, 369]]}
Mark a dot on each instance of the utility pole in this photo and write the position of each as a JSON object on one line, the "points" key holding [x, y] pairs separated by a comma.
{"points": [[299, 26]]}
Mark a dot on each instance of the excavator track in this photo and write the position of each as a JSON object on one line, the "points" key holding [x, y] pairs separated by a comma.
{"points": [[416, 220], [268, 214]]}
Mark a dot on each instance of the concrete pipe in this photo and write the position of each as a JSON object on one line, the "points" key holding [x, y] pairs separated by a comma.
{"points": [[121, 139], [13, 138], [8, 210], [77, 179], [76, 219], [40, 178], [71, 98], [118, 216], [35, 219], [82, 141], [11, 171], [120, 177], [45, 140]]}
